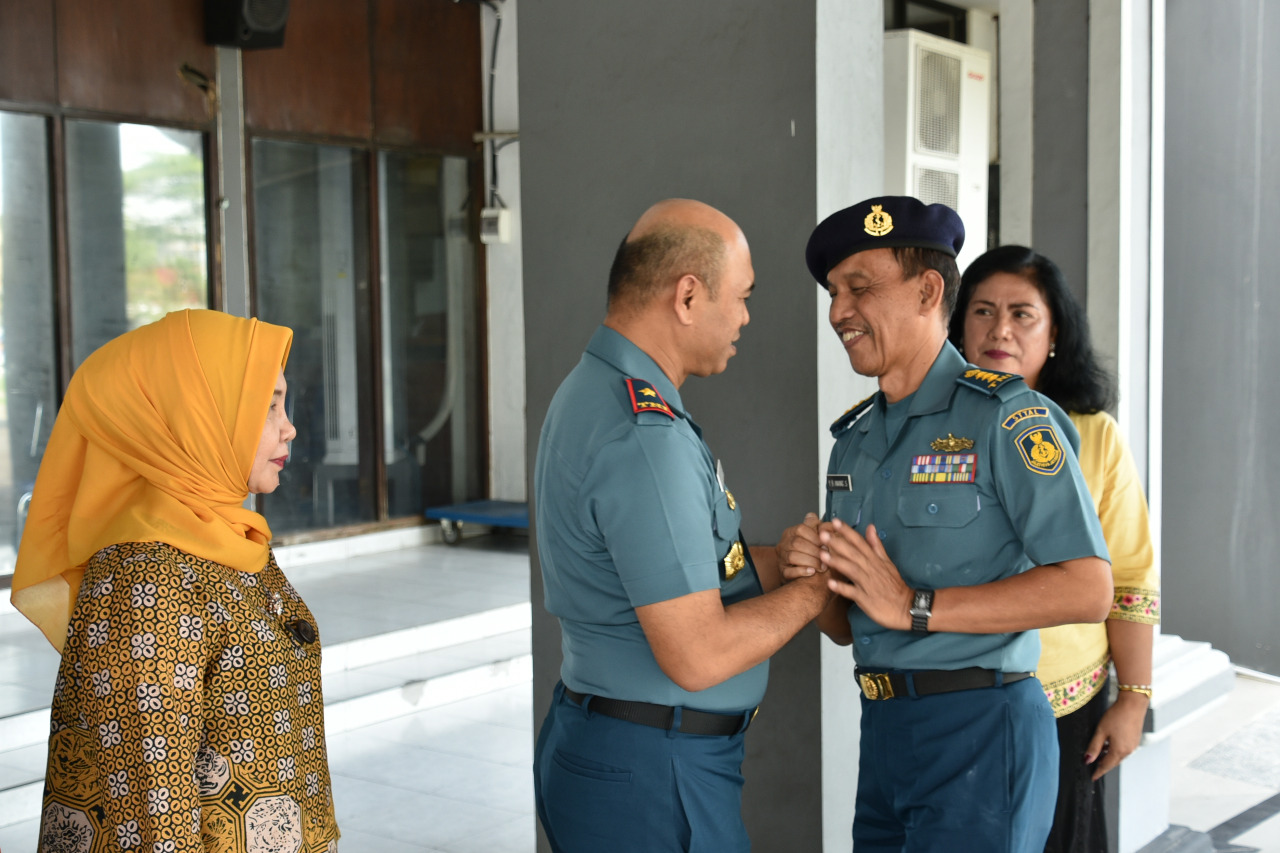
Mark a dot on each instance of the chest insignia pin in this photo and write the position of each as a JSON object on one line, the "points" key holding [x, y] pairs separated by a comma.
{"points": [[732, 503], [734, 561], [951, 444]]}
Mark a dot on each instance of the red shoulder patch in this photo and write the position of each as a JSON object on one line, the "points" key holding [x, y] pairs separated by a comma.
{"points": [[645, 398]]}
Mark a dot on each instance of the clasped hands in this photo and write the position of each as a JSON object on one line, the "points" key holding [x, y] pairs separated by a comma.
{"points": [[859, 568]]}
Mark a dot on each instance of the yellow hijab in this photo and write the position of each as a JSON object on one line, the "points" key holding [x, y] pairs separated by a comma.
{"points": [[154, 443]]}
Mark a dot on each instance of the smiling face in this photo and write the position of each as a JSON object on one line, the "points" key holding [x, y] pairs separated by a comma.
{"points": [[273, 450], [1008, 327], [877, 313]]}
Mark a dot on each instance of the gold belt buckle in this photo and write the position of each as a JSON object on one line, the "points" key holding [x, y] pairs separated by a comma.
{"points": [[875, 685]]}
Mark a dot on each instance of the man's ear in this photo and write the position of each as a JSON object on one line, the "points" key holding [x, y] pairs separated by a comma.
{"points": [[932, 288], [687, 289]]}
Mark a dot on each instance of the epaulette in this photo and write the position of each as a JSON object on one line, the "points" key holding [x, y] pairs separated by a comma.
{"points": [[848, 418], [645, 398], [985, 381]]}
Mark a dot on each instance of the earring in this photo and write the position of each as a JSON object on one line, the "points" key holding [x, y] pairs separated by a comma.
{"points": [[1052, 348]]}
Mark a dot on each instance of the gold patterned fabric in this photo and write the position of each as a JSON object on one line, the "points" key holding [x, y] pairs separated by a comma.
{"points": [[187, 716]]}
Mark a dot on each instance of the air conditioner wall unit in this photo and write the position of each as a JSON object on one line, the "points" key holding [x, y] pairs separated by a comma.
{"points": [[937, 132]]}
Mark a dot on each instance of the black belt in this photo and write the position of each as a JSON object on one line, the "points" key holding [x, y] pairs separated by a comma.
{"points": [[887, 685], [663, 716]]}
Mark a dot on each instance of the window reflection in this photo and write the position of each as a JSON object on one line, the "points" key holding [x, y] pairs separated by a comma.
{"points": [[311, 264], [28, 378], [430, 386], [135, 228]]}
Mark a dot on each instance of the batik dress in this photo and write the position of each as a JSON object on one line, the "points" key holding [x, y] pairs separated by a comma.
{"points": [[187, 713]]}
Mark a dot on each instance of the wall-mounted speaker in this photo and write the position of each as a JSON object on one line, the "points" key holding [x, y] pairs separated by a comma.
{"points": [[246, 24]]}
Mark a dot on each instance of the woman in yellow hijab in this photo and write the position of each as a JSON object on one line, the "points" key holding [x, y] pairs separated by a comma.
{"points": [[187, 713]]}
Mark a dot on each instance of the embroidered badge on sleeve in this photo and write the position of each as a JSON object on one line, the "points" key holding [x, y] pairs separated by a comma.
{"points": [[1041, 449], [1022, 414]]}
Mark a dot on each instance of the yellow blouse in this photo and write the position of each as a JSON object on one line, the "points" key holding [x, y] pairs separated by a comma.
{"points": [[187, 713], [1074, 658]]}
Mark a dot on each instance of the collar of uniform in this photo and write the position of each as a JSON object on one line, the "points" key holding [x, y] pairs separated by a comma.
{"points": [[934, 393], [628, 359]]}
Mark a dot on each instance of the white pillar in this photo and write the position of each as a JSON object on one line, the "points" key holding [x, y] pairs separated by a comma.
{"points": [[850, 167]]}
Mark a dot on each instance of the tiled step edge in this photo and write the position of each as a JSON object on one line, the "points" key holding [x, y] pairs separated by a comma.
{"points": [[412, 696], [426, 638], [22, 802], [32, 727]]}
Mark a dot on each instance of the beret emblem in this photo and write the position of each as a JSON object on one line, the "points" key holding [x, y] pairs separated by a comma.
{"points": [[878, 223]]}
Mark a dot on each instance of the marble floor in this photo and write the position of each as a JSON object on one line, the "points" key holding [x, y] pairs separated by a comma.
{"points": [[438, 767]]}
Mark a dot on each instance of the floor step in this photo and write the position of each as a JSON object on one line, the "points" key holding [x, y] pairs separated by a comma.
{"points": [[366, 680]]}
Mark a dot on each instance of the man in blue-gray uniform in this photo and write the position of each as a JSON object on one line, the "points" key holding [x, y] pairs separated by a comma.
{"points": [[667, 619], [957, 521]]}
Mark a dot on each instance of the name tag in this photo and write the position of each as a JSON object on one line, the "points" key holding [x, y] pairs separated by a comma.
{"points": [[839, 483]]}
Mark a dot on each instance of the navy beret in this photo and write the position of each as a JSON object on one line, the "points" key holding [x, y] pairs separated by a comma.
{"points": [[891, 221]]}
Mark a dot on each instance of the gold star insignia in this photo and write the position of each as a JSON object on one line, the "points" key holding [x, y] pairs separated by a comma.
{"points": [[648, 392]]}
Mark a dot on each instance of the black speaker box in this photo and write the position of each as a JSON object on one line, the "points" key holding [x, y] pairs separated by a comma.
{"points": [[246, 24]]}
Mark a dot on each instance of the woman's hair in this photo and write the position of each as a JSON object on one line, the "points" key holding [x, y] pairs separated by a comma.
{"points": [[1074, 378]]}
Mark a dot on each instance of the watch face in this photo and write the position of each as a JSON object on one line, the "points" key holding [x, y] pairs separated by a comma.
{"points": [[920, 604]]}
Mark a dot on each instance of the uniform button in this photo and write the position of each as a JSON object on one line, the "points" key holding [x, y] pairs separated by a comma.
{"points": [[883, 535], [933, 509], [866, 641], [886, 474]]}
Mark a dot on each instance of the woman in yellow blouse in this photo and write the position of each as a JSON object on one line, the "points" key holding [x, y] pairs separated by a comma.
{"points": [[187, 714], [1015, 315]]}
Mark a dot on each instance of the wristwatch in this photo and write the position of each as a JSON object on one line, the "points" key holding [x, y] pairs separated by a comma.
{"points": [[921, 610]]}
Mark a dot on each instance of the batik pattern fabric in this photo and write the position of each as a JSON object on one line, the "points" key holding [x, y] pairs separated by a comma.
{"points": [[187, 714]]}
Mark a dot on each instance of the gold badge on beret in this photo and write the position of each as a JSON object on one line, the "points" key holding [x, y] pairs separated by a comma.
{"points": [[878, 223], [951, 444], [734, 561]]}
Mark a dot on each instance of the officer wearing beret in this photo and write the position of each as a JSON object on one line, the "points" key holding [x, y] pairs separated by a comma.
{"points": [[667, 622], [957, 521]]}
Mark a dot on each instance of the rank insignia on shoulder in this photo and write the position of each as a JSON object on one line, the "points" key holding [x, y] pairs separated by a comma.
{"points": [[1041, 450], [645, 398], [951, 444], [854, 412], [1022, 414], [984, 380]]}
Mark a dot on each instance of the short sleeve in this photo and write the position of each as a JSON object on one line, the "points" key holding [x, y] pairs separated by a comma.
{"points": [[649, 495], [1039, 482], [1113, 480]]}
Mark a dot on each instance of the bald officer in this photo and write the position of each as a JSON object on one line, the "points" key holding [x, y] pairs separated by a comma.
{"points": [[666, 624], [957, 521]]}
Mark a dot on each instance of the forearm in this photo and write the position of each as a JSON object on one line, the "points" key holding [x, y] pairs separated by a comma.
{"points": [[699, 643], [1057, 594], [1131, 644], [765, 558], [834, 621]]}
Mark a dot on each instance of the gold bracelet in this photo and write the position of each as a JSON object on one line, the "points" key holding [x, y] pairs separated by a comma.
{"points": [[1144, 689]]}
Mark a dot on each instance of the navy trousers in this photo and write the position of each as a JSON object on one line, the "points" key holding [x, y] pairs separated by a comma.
{"points": [[602, 784], [973, 770]]}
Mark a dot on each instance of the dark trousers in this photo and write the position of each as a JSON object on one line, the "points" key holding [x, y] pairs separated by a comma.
{"points": [[974, 771], [606, 786], [1079, 818]]}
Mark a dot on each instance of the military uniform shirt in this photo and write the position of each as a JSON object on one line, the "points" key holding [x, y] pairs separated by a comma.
{"points": [[1003, 494], [629, 512]]}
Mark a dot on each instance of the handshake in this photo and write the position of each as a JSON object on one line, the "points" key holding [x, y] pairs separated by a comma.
{"points": [[857, 569]]}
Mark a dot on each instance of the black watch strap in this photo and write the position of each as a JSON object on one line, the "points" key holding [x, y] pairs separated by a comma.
{"points": [[921, 610]]}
